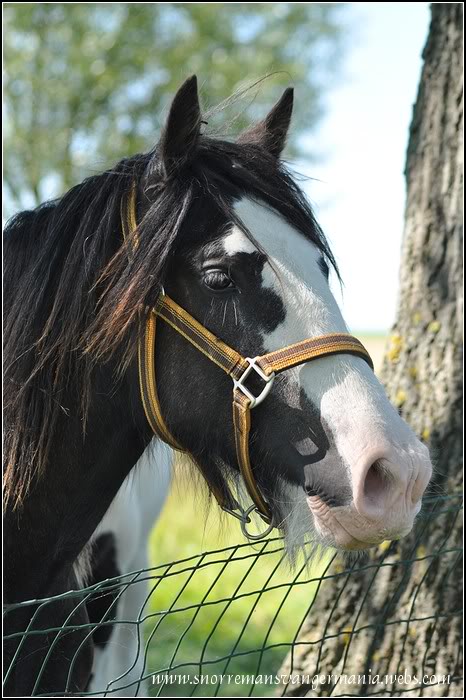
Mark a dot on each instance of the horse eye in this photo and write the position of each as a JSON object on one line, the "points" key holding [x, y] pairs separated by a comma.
{"points": [[217, 280]]}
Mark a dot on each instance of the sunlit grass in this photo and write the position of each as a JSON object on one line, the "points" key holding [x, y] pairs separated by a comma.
{"points": [[237, 602]]}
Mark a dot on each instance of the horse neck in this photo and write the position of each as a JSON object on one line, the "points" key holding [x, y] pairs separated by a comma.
{"points": [[65, 505]]}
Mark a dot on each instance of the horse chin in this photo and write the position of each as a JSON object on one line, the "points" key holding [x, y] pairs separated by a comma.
{"points": [[333, 529], [314, 532]]}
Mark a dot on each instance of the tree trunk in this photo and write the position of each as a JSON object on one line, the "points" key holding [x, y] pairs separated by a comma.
{"points": [[399, 613]]}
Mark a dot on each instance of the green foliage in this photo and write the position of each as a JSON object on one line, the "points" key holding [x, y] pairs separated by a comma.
{"points": [[87, 84]]}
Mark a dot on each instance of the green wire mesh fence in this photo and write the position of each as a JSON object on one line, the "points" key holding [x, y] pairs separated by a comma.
{"points": [[221, 623]]}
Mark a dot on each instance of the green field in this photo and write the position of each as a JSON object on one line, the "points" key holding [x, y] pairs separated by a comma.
{"points": [[247, 600]]}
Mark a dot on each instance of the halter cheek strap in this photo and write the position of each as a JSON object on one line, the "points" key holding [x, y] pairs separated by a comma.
{"points": [[238, 368], [266, 367]]}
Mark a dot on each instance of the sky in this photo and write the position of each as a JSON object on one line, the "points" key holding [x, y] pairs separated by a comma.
{"points": [[360, 194]]}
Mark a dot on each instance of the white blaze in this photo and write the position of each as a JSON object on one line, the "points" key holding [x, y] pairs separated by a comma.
{"points": [[351, 400]]}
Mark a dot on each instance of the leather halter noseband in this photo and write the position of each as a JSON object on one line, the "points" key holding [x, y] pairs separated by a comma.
{"points": [[238, 368]]}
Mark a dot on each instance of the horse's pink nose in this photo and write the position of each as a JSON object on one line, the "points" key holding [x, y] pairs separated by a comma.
{"points": [[388, 484]]}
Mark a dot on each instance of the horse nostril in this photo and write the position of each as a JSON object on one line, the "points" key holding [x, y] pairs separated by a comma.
{"points": [[376, 486], [330, 501]]}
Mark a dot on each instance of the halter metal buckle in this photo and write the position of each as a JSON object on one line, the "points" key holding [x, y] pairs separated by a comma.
{"points": [[267, 378], [244, 516]]}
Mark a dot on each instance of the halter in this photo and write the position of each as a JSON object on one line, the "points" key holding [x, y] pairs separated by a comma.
{"points": [[266, 367]]}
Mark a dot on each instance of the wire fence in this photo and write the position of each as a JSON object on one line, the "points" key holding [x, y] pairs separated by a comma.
{"points": [[221, 623]]}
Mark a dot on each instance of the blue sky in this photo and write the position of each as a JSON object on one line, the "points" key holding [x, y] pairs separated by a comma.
{"points": [[359, 198]]}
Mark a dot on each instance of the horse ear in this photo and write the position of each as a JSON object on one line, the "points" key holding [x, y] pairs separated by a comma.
{"points": [[271, 132], [182, 128]]}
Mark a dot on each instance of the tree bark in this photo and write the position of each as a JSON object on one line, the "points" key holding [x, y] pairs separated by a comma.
{"points": [[399, 613]]}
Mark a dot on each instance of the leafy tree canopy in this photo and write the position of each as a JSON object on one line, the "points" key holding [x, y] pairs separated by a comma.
{"points": [[87, 84]]}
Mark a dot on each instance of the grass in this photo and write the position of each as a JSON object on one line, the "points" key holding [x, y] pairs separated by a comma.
{"points": [[376, 344], [247, 596], [233, 602]]}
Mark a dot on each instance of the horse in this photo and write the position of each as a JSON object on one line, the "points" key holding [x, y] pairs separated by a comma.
{"points": [[212, 242]]}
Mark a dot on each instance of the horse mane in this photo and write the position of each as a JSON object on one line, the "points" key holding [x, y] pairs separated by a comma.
{"points": [[74, 289]]}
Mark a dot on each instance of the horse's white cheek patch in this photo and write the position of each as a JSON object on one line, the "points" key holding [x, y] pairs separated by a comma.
{"points": [[294, 275]]}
